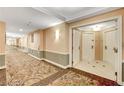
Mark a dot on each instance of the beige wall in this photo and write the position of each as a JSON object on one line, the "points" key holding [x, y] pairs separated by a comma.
{"points": [[2, 37], [100, 17], [54, 44], [41, 47], [45, 40], [98, 46], [23, 41], [38, 40]]}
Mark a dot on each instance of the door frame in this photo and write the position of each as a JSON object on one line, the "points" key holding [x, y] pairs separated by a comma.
{"points": [[119, 22], [78, 47]]}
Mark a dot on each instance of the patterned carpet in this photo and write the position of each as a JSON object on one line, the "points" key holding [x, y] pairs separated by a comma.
{"points": [[74, 79], [2, 77], [24, 70]]}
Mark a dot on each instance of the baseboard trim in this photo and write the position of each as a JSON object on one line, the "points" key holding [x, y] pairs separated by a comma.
{"points": [[34, 56], [2, 53], [61, 66], [98, 61], [3, 67], [22, 50]]}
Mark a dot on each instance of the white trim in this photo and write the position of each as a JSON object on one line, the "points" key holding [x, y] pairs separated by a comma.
{"points": [[119, 18], [119, 66], [94, 22], [64, 53], [82, 15], [70, 45], [50, 12], [34, 49], [61, 66], [98, 61], [3, 67], [2, 53], [34, 56]]}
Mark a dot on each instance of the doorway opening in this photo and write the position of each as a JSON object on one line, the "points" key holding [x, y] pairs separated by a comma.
{"points": [[97, 48]]}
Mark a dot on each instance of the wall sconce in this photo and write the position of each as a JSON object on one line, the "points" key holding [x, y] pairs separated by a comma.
{"points": [[57, 35]]}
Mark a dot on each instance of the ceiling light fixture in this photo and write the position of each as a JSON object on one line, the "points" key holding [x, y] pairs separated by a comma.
{"points": [[29, 23], [96, 28], [21, 30]]}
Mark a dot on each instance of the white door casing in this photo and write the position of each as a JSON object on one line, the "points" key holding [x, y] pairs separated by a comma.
{"points": [[76, 46]]}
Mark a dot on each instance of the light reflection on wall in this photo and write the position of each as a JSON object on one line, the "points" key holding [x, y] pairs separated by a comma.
{"points": [[57, 35]]}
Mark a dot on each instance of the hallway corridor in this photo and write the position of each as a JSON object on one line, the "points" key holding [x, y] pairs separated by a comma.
{"points": [[41, 49]]}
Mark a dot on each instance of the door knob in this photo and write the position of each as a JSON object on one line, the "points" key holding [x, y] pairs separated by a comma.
{"points": [[92, 46], [105, 47], [79, 47], [115, 50]]}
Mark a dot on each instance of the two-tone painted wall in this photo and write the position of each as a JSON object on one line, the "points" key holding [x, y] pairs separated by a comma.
{"points": [[49, 44], [56, 44], [35, 43], [2, 44]]}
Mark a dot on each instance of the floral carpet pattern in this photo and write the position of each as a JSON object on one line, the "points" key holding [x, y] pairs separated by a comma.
{"points": [[2, 77], [24, 70], [74, 79]]}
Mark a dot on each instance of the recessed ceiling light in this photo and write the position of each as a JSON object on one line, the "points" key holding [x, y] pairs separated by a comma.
{"points": [[97, 28], [21, 30]]}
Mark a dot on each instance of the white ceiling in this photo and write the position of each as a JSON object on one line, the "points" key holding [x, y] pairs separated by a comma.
{"points": [[71, 14], [17, 18], [30, 19]]}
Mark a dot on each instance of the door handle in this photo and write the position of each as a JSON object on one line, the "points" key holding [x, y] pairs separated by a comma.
{"points": [[105, 47], [115, 50], [92, 47], [79, 47]]}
